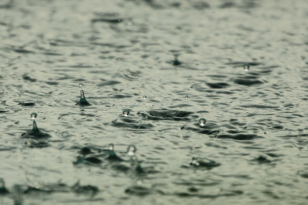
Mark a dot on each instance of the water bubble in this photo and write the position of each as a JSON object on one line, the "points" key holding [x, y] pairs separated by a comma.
{"points": [[80, 85], [246, 67], [126, 112], [202, 122], [33, 115], [131, 150]]}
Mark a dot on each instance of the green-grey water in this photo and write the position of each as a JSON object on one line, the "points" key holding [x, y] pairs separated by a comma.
{"points": [[150, 71]]}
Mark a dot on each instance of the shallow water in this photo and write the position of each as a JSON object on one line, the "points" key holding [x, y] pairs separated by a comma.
{"points": [[170, 63]]}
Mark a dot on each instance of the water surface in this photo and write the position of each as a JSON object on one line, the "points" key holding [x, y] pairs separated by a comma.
{"points": [[169, 63]]}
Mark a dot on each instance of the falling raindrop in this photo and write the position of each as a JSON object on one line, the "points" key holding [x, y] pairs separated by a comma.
{"points": [[202, 122]]}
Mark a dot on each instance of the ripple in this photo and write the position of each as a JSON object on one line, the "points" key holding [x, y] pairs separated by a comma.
{"points": [[248, 81], [217, 85], [239, 136], [165, 114]]}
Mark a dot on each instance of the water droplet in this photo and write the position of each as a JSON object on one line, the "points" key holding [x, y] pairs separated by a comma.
{"points": [[33, 115], [202, 122], [131, 150], [80, 85], [126, 112], [111, 147], [246, 67], [145, 97]]}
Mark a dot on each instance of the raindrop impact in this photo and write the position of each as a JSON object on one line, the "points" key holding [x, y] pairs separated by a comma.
{"points": [[131, 150], [176, 62], [35, 133], [202, 122], [125, 112], [112, 155], [34, 127], [83, 101]]}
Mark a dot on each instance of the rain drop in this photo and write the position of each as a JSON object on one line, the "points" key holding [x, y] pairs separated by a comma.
{"points": [[126, 112], [202, 122], [131, 150], [33, 115]]}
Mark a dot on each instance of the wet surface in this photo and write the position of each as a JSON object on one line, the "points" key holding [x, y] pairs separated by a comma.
{"points": [[149, 71]]}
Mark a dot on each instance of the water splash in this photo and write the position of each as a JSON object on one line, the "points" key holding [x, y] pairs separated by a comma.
{"points": [[202, 122], [112, 155], [83, 101], [126, 112], [246, 67], [34, 127], [176, 62], [131, 150], [35, 133]]}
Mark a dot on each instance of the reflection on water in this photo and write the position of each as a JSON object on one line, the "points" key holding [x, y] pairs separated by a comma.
{"points": [[213, 95]]}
